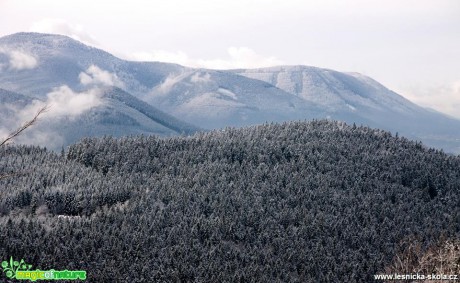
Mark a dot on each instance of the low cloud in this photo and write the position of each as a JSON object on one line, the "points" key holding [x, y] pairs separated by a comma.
{"points": [[60, 26], [444, 98], [96, 76], [18, 59], [239, 57], [170, 82], [63, 101], [64, 105], [12, 117]]}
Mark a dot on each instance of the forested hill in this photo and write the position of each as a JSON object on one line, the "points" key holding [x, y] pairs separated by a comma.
{"points": [[312, 201]]}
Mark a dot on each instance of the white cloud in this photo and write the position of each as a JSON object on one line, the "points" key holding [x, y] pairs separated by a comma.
{"points": [[96, 76], [60, 26], [239, 57], [18, 59], [169, 83], [444, 98], [63, 103]]}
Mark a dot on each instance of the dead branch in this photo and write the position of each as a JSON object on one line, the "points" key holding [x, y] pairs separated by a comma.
{"points": [[18, 131], [26, 125]]}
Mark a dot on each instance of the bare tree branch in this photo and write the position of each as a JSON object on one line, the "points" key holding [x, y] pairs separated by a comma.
{"points": [[18, 131], [26, 125]]}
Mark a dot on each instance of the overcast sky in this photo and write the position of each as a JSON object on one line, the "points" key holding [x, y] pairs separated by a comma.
{"points": [[411, 46]]}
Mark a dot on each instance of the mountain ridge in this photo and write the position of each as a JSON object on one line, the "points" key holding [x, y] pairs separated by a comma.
{"points": [[218, 98]]}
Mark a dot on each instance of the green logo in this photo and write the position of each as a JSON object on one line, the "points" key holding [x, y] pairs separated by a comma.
{"points": [[20, 270], [11, 267]]}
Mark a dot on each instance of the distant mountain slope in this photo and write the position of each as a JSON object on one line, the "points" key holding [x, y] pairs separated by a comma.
{"points": [[151, 112], [334, 90], [10, 102], [216, 99], [354, 97], [117, 114], [13, 98]]}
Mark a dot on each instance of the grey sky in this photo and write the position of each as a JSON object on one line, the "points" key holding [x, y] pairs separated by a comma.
{"points": [[412, 47]]}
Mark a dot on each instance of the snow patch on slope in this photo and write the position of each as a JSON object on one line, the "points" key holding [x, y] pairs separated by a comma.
{"points": [[227, 93], [209, 105]]}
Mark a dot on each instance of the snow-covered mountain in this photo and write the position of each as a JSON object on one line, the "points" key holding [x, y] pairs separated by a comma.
{"points": [[355, 97], [33, 64], [208, 98], [215, 99], [334, 90], [49, 67]]}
